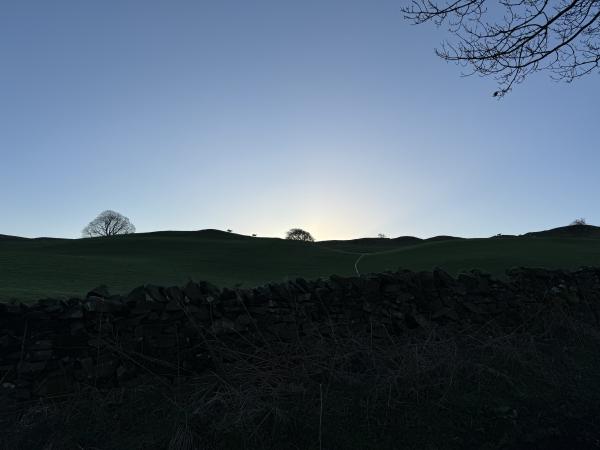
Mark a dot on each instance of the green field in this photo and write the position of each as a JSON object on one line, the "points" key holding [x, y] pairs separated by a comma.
{"points": [[36, 268]]}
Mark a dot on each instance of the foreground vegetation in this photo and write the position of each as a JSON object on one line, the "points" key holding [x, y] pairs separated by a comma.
{"points": [[481, 387], [36, 268]]}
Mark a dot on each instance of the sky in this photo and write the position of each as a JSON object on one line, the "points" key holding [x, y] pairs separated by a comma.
{"points": [[259, 116]]}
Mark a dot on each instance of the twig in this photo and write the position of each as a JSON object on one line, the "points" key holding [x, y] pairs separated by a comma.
{"points": [[23, 343], [321, 417]]}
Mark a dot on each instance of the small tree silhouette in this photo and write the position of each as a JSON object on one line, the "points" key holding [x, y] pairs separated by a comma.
{"points": [[580, 221], [108, 223], [298, 234], [382, 236]]}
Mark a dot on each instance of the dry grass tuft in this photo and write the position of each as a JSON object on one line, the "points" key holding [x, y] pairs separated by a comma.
{"points": [[482, 386]]}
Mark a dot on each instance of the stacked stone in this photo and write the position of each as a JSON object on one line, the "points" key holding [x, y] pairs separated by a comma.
{"points": [[53, 347]]}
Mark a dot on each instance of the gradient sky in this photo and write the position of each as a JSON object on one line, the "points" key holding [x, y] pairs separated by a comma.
{"points": [[259, 116]]}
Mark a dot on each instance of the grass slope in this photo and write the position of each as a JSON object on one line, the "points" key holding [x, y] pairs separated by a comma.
{"points": [[36, 268], [371, 245], [490, 255], [582, 231]]}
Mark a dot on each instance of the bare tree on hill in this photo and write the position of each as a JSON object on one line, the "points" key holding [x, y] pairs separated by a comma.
{"points": [[298, 234], [578, 222], [512, 39], [108, 223]]}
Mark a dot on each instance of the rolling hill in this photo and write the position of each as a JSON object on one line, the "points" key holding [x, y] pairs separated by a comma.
{"points": [[5, 237], [490, 255], [36, 268], [572, 231]]}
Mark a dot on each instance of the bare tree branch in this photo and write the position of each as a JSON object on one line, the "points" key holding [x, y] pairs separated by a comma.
{"points": [[512, 39]]}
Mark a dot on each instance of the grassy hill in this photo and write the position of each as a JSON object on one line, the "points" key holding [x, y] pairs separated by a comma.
{"points": [[490, 255], [369, 245], [35, 268], [574, 231], [68, 267], [5, 237]]}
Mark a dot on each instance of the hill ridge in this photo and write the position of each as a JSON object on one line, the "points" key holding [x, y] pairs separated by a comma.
{"points": [[587, 231], [564, 231]]}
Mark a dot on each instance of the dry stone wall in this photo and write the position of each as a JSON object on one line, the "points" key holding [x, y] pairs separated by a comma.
{"points": [[54, 347]]}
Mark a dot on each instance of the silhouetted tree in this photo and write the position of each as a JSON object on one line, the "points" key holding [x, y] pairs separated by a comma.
{"points": [[229, 231], [298, 234], [108, 223], [510, 40], [382, 236], [579, 222], [254, 235]]}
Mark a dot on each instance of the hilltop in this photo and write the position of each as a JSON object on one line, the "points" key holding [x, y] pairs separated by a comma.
{"points": [[35, 268], [574, 231], [366, 245], [5, 237]]}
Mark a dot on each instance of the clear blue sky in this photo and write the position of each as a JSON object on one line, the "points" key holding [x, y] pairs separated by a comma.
{"points": [[259, 116]]}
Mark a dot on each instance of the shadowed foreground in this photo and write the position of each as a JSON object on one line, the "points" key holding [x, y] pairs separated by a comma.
{"points": [[395, 360]]}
